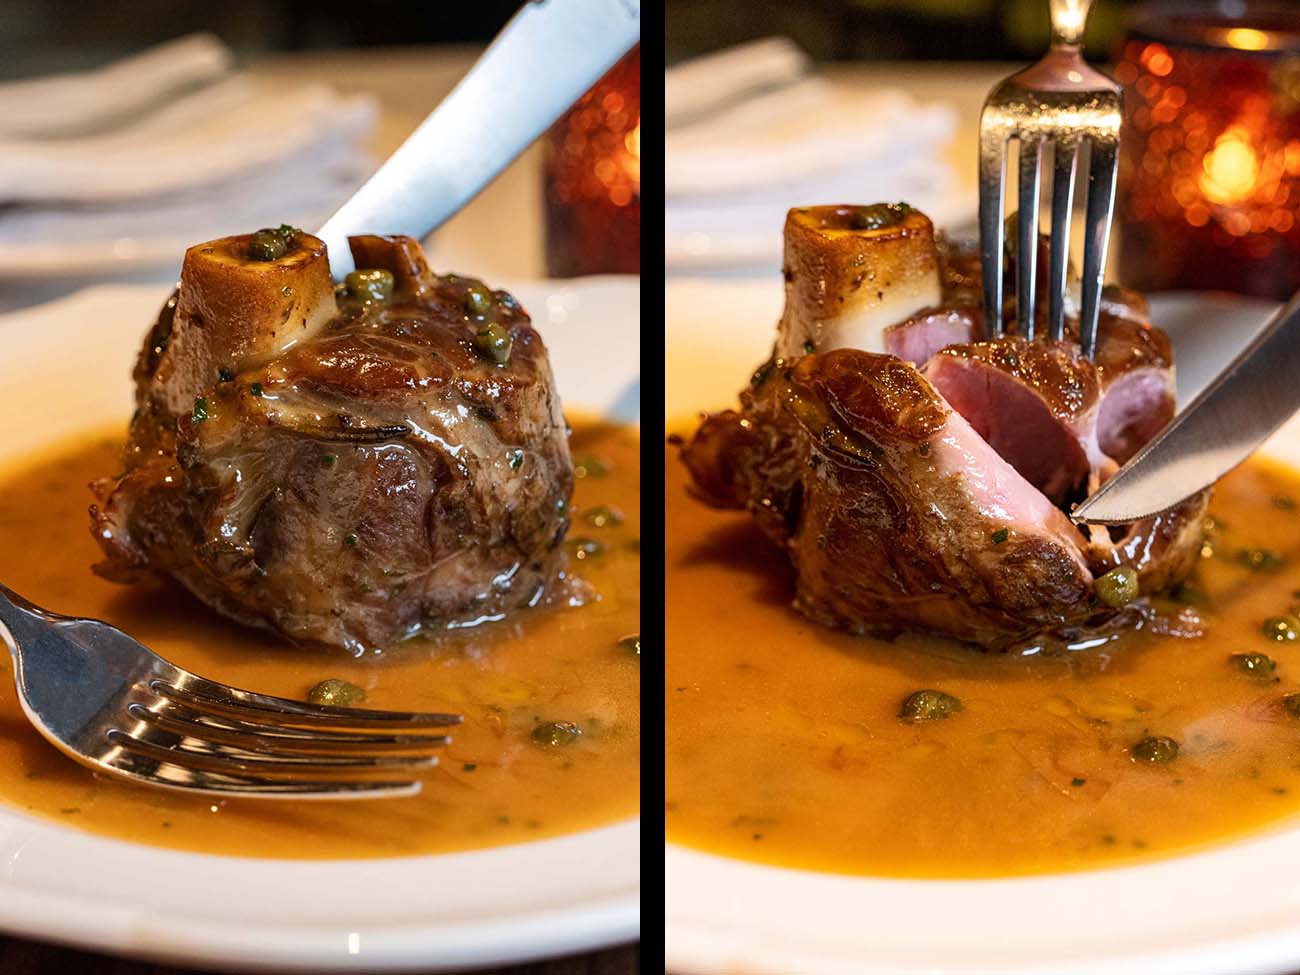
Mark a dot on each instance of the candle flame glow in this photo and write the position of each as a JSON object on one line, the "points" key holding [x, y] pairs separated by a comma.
{"points": [[1231, 168], [1247, 39]]}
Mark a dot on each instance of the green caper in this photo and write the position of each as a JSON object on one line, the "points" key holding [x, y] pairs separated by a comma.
{"points": [[1256, 666], [1118, 587], [267, 245], [603, 516], [1283, 629], [631, 644], [372, 284], [555, 734], [494, 342], [928, 705], [1154, 750], [878, 215], [478, 301], [339, 693], [1291, 704]]}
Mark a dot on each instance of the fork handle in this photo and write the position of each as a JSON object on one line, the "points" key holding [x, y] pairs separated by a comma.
{"points": [[1068, 20]]}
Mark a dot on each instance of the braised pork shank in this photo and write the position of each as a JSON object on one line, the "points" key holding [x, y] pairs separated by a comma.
{"points": [[340, 465], [916, 473]]}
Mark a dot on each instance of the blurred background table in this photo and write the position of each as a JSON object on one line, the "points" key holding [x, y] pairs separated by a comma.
{"points": [[499, 236]]}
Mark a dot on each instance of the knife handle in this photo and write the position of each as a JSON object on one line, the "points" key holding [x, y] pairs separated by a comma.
{"points": [[543, 60]]}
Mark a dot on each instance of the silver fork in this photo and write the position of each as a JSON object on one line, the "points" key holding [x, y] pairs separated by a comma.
{"points": [[1060, 103], [112, 704]]}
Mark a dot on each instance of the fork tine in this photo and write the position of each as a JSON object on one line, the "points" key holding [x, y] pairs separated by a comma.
{"points": [[1027, 234], [993, 144], [1064, 156], [203, 695], [232, 731], [1102, 167], [215, 757], [168, 775]]}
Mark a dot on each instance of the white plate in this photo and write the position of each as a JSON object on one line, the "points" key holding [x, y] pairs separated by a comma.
{"points": [[1235, 908], [65, 367]]}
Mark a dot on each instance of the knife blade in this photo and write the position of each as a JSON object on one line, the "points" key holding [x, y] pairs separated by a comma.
{"points": [[1238, 410], [543, 60]]}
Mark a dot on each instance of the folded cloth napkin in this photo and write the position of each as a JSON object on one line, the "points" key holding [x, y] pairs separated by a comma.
{"points": [[733, 171], [188, 155]]}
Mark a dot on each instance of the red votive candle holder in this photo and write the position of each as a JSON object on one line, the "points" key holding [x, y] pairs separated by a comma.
{"points": [[593, 178], [1209, 181]]}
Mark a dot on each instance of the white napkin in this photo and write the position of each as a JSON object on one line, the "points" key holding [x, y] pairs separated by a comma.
{"points": [[185, 156], [68, 104], [732, 172]]}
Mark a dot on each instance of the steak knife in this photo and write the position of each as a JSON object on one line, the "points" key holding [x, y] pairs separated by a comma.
{"points": [[1238, 410], [543, 60]]}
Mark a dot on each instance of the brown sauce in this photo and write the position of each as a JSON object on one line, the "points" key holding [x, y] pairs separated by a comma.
{"points": [[494, 784], [784, 743]]}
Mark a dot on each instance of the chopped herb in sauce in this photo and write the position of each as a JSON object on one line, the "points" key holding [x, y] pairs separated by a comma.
{"points": [[516, 459], [256, 389], [1001, 535], [200, 410]]}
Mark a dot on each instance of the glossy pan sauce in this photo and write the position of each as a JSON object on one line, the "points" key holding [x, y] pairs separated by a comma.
{"points": [[785, 742], [495, 784]]}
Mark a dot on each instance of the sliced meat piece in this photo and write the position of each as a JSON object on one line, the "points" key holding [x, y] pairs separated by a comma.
{"points": [[1035, 403], [894, 511], [1136, 367], [926, 332]]}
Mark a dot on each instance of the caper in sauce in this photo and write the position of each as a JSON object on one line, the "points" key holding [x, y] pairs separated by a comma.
{"points": [[371, 284], [1256, 666], [877, 216], [270, 244], [554, 734], [339, 693], [478, 301], [494, 342], [928, 705], [1154, 750], [1118, 587], [1283, 629]]}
